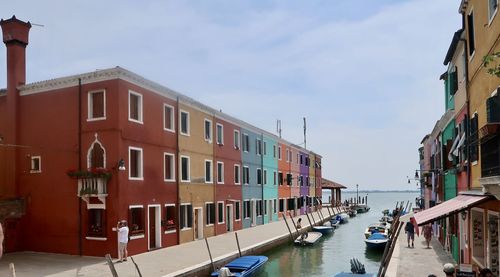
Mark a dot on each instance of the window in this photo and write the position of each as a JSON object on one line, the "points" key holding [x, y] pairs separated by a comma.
{"points": [[208, 171], [134, 107], [265, 148], [236, 139], [470, 23], [282, 205], [96, 105], [170, 217], [246, 175], [265, 207], [289, 179], [246, 143], [210, 213], [220, 173], [275, 206], [265, 176], [287, 155], [184, 123], [298, 158], [259, 176], [307, 181], [474, 138], [96, 223], [275, 178], [246, 209], [185, 169], [169, 167], [220, 134], [280, 178], [220, 212], [36, 164], [135, 163], [258, 147], [186, 220], [237, 215], [136, 220], [208, 130], [301, 159], [237, 174], [299, 181], [259, 208], [307, 161], [168, 118], [279, 153], [492, 9]]}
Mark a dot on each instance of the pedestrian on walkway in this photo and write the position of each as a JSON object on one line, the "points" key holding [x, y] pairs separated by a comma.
{"points": [[410, 233], [123, 231], [449, 270], [427, 230]]}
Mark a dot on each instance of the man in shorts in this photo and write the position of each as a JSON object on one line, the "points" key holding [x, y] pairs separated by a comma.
{"points": [[410, 233], [122, 230]]}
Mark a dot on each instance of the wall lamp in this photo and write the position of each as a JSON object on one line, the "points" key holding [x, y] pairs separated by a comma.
{"points": [[121, 165], [464, 215]]}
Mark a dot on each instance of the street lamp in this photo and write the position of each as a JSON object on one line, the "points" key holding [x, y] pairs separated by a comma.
{"points": [[357, 197]]}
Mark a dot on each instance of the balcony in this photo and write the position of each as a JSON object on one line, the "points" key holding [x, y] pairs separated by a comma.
{"points": [[93, 191]]}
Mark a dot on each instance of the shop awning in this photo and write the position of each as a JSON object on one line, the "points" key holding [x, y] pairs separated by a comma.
{"points": [[454, 205]]}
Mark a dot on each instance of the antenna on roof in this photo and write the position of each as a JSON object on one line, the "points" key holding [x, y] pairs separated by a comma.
{"points": [[278, 127], [305, 140], [38, 25]]}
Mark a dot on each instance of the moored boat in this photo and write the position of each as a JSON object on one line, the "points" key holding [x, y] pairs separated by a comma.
{"points": [[379, 227], [360, 208], [342, 218], [334, 222], [325, 229], [376, 241], [312, 237], [242, 266]]}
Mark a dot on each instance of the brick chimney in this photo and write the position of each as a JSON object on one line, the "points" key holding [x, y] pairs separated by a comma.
{"points": [[15, 36]]}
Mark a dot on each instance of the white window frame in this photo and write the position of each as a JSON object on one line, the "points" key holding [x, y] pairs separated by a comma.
{"points": [[264, 177], [172, 118], [249, 209], [275, 177], [471, 56], [275, 206], [248, 175], [217, 213], [211, 181], [210, 131], [279, 152], [187, 123], [236, 140], [139, 107], [237, 166], [238, 203], [172, 167], [274, 151], [141, 164], [257, 176], [90, 107], [264, 206], [175, 229], [485, 241], [490, 18], [258, 146], [221, 173], [208, 211], [245, 145], [221, 142], [188, 169], [186, 216], [33, 170], [264, 146]]}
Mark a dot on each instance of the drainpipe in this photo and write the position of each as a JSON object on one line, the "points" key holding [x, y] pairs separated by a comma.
{"points": [[262, 172], [80, 250], [467, 103], [214, 170], [178, 177]]}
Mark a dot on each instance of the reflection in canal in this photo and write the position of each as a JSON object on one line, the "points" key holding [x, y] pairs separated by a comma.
{"points": [[332, 253]]}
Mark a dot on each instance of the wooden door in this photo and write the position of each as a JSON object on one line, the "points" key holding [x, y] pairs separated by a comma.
{"points": [[152, 227]]}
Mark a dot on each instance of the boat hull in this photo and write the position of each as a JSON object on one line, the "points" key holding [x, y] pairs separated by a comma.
{"points": [[312, 238], [244, 266], [325, 230]]}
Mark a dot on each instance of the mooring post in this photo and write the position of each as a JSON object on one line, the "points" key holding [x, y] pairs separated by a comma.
{"points": [[238, 242], [12, 269], [111, 265], [136, 266], [309, 220], [210, 254], [320, 217], [287, 226], [294, 225]]}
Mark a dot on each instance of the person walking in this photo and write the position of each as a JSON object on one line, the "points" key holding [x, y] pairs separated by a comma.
{"points": [[123, 231], [427, 231], [410, 233]]}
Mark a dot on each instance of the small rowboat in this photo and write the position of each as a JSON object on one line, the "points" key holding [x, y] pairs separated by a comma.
{"points": [[312, 238], [242, 267]]}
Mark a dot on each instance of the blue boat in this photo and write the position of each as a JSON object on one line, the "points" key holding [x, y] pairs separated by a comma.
{"points": [[376, 241], [243, 266], [334, 222], [325, 230], [349, 274]]}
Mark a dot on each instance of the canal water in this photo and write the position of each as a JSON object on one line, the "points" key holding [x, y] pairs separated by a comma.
{"points": [[332, 253]]}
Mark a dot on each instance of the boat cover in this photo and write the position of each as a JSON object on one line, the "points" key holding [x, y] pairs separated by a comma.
{"points": [[375, 236], [244, 262]]}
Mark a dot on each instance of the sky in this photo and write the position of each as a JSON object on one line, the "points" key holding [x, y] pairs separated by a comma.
{"points": [[365, 75]]}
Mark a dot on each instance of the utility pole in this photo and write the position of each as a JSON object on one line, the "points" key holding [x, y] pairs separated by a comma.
{"points": [[357, 197], [305, 140]]}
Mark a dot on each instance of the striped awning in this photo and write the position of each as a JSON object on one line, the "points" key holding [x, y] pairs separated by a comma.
{"points": [[454, 205]]}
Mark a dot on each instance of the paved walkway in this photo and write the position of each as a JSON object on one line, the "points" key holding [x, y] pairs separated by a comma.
{"points": [[417, 261], [171, 261]]}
